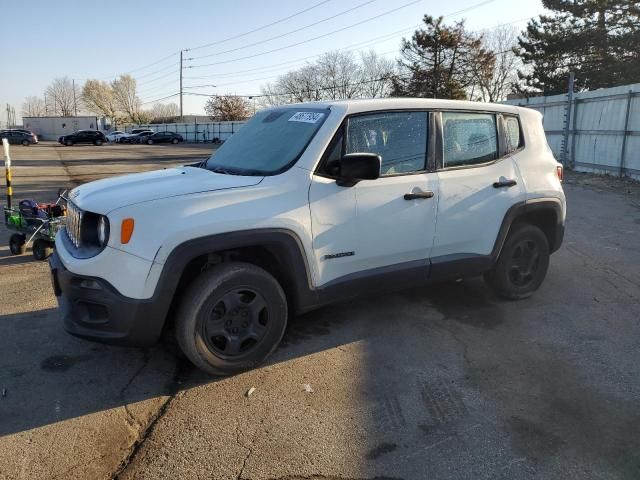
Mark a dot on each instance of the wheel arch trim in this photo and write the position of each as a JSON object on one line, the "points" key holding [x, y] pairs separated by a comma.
{"points": [[524, 208]]}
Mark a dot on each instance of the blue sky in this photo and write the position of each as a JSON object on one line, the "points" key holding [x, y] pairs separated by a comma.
{"points": [[83, 39]]}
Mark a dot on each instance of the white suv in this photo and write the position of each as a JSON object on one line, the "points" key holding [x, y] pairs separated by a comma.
{"points": [[309, 204]]}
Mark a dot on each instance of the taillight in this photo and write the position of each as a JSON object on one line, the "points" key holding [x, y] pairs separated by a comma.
{"points": [[560, 172]]}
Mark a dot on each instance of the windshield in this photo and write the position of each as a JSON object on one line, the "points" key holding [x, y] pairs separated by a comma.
{"points": [[268, 143]]}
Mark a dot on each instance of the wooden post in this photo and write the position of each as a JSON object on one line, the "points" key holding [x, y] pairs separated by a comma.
{"points": [[7, 169]]}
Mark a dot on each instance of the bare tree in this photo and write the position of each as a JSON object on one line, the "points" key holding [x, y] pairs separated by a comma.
{"points": [[493, 81], [61, 92], [227, 108], [163, 113], [34, 107], [377, 74], [126, 98], [340, 75], [143, 117], [98, 98]]}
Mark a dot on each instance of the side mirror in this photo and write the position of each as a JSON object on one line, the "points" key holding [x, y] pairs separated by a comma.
{"points": [[358, 166]]}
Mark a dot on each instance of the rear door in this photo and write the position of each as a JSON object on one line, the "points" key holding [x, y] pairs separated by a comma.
{"points": [[478, 182]]}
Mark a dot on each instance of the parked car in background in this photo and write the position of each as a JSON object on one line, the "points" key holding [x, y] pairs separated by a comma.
{"points": [[135, 138], [16, 137], [114, 137], [84, 136], [136, 131], [23, 130], [163, 137]]}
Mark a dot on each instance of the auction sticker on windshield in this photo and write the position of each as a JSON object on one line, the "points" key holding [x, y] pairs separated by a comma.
{"points": [[306, 117]]}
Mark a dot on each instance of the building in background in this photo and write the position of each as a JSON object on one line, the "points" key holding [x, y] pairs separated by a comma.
{"points": [[51, 128]]}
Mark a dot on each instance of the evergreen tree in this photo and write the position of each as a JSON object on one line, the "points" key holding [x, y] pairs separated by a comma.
{"points": [[599, 40], [439, 61]]}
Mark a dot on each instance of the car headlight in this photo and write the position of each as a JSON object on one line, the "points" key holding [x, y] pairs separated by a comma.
{"points": [[103, 231]]}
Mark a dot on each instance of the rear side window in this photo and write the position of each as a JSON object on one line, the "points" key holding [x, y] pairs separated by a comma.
{"points": [[512, 136], [469, 138], [400, 138]]}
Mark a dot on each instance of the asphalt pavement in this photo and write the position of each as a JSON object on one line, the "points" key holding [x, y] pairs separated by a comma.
{"points": [[446, 382]]}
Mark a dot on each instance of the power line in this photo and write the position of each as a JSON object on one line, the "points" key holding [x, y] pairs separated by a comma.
{"points": [[353, 46], [319, 89], [157, 87], [259, 28], [388, 12], [369, 42], [262, 78], [173, 65], [154, 63], [111, 77], [158, 78], [344, 12], [159, 99]]}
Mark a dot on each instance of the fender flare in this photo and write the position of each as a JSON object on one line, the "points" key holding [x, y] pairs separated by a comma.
{"points": [[522, 209], [284, 243]]}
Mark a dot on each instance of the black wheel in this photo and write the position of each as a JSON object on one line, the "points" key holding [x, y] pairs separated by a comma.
{"points": [[149, 142], [98, 142], [522, 264], [42, 249], [174, 141], [68, 143], [17, 244], [232, 317], [25, 143]]}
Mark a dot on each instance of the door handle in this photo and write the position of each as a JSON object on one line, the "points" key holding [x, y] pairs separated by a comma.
{"points": [[505, 183], [418, 195]]}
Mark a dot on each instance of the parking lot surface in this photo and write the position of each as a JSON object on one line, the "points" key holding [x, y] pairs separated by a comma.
{"points": [[442, 382]]}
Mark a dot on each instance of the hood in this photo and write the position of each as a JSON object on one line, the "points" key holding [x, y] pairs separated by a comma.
{"points": [[104, 196]]}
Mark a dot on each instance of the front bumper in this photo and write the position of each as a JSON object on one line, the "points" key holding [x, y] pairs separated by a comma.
{"points": [[93, 309]]}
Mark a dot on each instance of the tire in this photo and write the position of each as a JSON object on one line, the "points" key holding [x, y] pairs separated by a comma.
{"points": [[42, 249], [98, 143], [522, 264], [17, 244], [174, 141], [26, 143], [231, 318], [68, 143], [149, 142]]}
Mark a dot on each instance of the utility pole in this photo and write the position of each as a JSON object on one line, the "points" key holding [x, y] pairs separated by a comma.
{"points": [[75, 105], [181, 117]]}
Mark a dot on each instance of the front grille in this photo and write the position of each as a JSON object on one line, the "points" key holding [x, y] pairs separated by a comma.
{"points": [[74, 224]]}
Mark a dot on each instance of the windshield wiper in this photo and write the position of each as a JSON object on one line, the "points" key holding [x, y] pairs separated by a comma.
{"points": [[224, 171]]}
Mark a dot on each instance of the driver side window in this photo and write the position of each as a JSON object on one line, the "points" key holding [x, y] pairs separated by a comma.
{"points": [[400, 138]]}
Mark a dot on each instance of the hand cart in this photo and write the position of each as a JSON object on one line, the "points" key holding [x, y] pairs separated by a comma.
{"points": [[39, 232]]}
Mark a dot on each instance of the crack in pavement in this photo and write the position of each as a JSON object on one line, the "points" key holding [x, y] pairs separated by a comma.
{"points": [[182, 370], [142, 437], [131, 420], [247, 448]]}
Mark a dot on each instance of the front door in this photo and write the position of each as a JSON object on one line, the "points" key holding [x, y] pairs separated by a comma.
{"points": [[387, 222]]}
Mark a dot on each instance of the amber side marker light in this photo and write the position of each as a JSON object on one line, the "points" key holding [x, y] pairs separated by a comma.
{"points": [[560, 172], [126, 230]]}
